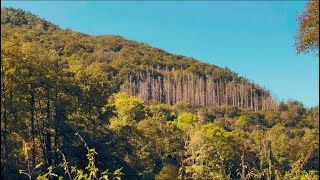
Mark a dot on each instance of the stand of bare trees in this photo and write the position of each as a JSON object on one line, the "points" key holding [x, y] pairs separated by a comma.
{"points": [[182, 86]]}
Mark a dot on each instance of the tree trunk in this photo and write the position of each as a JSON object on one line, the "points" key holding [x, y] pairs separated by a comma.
{"points": [[5, 131], [48, 134], [243, 171], [32, 107]]}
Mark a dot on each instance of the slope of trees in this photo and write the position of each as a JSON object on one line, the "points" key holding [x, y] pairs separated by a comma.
{"points": [[126, 61], [179, 120]]}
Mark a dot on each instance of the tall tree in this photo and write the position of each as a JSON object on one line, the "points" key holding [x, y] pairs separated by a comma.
{"points": [[307, 36]]}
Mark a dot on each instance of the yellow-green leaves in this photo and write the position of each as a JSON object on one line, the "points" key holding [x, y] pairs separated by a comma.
{"points": [[186, 121], [245, 123], [129, 108], [168, 172], [307, 36]]}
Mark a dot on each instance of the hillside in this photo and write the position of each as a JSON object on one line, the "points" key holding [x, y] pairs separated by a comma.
{"points": [[66, 95], [140, 70]]}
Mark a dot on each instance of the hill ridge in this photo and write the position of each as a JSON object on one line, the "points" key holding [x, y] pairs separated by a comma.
{"points": [[158, 75]]}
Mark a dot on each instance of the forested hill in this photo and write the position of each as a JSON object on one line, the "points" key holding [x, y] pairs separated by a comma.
{"points": [[74, 105], [138, 69]]}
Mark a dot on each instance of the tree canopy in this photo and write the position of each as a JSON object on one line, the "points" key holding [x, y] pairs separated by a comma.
{"points": [[73, 105], [307, 36]]}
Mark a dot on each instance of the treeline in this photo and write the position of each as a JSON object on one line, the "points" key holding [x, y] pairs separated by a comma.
{"points": [[182, 86]]}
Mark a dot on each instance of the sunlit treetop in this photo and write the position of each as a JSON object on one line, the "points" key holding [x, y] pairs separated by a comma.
{"points": [[307, 36]]}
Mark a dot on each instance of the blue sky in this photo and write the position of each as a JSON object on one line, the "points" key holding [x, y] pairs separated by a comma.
{"points": [[254, 39]]}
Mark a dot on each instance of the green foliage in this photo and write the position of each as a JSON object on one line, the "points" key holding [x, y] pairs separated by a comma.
{"points": [[162, 110], [56, 82], [307, 36], [79, 174], [186, 119], [168, 172], [245, 123], [18, 17], [187, 122], [129, 108], [272, 118]]}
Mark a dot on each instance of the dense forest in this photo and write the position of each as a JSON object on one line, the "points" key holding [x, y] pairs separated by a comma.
{"points": [[78, 106]]}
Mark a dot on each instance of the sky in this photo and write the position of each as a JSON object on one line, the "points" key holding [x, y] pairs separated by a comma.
{"points": [[253, 38]]}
